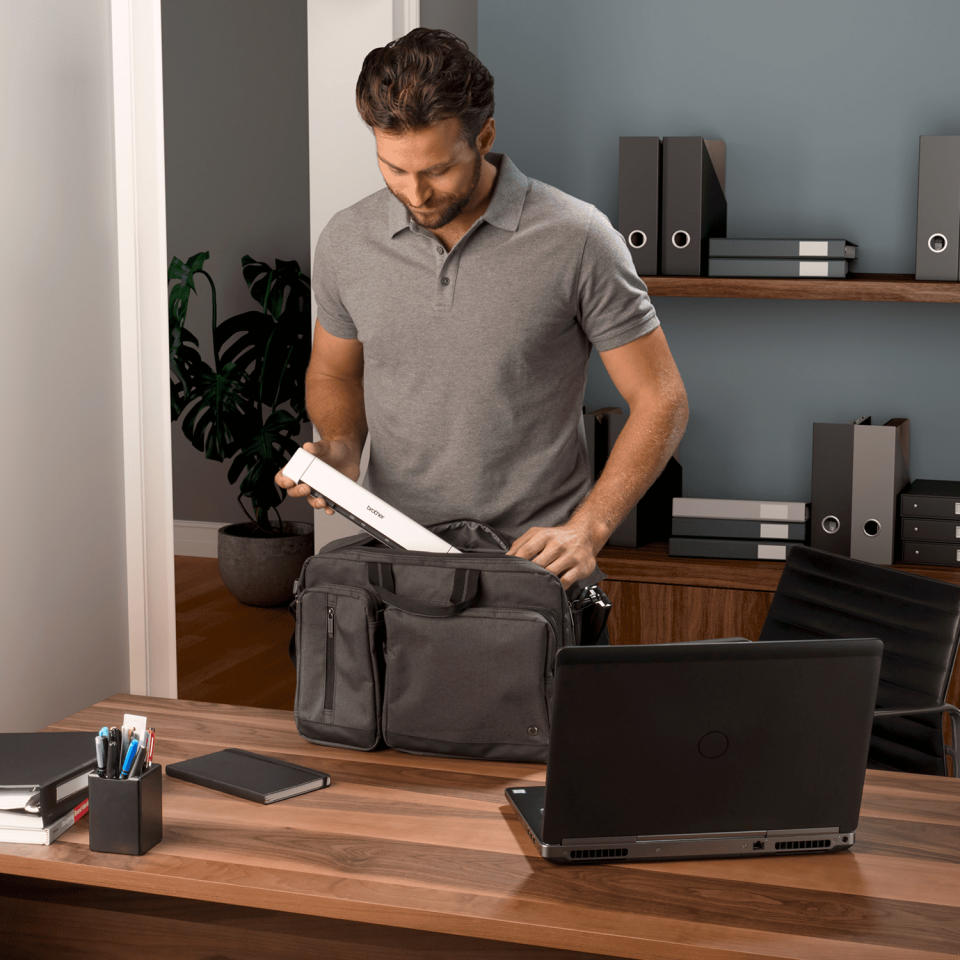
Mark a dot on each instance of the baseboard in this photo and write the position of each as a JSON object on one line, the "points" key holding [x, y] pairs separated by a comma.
{"points": [[195, 538]]}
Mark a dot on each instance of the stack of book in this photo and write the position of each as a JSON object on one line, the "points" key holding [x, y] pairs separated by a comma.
{"points": [[737, 529], [43, 784], [930, 522], [736, 257]]}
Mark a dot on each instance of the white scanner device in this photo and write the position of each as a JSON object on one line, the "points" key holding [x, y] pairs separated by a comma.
{"points": [[364, 508]]}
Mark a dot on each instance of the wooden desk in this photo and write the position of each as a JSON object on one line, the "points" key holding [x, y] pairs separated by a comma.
{"points": [[409, 857]]}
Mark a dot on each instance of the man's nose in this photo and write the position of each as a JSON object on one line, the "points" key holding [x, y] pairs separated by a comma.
{"points": [[419, 192]]}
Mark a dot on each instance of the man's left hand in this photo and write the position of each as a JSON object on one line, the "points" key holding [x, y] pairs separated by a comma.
{"points": [[566, 551]]}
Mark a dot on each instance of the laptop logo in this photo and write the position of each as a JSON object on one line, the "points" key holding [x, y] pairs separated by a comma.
{"points": [[713, 745], [376, 513]]}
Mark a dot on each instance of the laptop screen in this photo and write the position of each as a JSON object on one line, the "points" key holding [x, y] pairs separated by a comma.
{"points": [[669, 739]]}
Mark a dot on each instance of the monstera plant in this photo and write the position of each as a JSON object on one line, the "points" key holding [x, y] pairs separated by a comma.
{"points": [[245, 404]]}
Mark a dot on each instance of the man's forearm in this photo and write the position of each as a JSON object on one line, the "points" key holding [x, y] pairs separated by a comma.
{"points": [[336, 408], [645, 444]]}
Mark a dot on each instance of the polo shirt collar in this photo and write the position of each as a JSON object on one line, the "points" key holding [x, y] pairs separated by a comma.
{"points": [[503, 210]]}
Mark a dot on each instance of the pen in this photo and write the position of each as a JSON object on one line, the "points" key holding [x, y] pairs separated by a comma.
{"points": [[100, 742], [113, 755], [153, 740], [128, 759], [137, 767]]}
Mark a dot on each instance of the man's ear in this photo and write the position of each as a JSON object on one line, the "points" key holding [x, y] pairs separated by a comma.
{"points": [[486, 136]]}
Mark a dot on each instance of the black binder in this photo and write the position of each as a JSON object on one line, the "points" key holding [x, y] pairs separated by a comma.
{"points": [[694, 203], [639, 201], [48, 765], [249, 775], [938, 209], [935, 499], [831, 486]]}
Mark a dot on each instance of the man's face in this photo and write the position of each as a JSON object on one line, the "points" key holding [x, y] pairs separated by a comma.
{"points": [[433, 171]]}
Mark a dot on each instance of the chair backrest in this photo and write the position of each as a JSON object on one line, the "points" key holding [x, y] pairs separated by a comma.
{"points": [[918, 619]]}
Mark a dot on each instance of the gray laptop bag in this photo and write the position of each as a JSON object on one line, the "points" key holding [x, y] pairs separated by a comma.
{"points": [[433, 653]]}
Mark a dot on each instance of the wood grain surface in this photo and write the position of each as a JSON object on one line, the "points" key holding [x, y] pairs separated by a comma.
{"points": [[421, 856], [895, 287]]}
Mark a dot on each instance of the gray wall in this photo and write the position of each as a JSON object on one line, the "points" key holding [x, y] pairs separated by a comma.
{"points": [[236, 135], [821, 104], [63, 627], [457, 16]]}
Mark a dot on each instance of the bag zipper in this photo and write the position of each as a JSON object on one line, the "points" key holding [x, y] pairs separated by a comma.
{"points": [[328, 678]]}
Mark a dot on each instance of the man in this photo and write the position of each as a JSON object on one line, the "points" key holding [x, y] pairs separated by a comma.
{"points": [[456, 312]]}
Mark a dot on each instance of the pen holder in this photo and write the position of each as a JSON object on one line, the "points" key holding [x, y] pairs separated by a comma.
{"points": [[126, 816]]}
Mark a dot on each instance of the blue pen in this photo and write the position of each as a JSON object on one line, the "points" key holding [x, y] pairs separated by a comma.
{"points": [[104, 732], [128, 759]]}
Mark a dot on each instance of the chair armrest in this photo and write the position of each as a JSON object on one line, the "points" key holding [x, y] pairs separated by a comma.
{"points": [[947, 708], [915, 711]]}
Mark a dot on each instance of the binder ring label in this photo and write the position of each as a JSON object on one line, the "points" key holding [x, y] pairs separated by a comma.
{"points": [[937, 242], [680, 239], [637, 239]]}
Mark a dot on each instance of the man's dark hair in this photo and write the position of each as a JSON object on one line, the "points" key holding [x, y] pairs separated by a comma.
{"points": [[422, 78]]}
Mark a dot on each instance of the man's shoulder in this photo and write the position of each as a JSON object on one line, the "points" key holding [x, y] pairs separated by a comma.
{"points": [[367, 214], [545, 201]]}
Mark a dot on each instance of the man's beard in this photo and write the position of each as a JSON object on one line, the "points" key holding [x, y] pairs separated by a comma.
{"points": [[450, 205]]}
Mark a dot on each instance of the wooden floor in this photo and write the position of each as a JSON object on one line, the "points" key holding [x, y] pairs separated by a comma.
{"points": [[228, 652]]}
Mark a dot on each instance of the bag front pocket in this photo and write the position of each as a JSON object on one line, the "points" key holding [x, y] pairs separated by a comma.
{"points": [[473, 685], [338, 666]]}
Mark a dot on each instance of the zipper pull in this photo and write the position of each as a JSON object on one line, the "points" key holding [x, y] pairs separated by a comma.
{"points": [[329, 621]]}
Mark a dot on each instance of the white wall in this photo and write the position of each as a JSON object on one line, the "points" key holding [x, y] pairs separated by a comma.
{"points": [[339, 36], [63, 607]]}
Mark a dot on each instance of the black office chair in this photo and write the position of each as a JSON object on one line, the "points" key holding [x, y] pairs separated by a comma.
{"points": [[918, 620]]}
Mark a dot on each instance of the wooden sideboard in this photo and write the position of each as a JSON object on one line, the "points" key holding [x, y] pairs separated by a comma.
{"points": [[662, 599]]}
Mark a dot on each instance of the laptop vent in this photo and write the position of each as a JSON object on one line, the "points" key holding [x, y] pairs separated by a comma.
{"points": [[598, 854], [801, 844]]}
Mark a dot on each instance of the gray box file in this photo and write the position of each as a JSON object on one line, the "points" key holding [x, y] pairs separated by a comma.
{"points": [[777, 247], [694, 206], [769, 511], [936, 499], [729, 549], [938, 554], [639, 201], [934, 531], [736, 529], [881, 456], [938, 209], [771, 267], [857, 474]]}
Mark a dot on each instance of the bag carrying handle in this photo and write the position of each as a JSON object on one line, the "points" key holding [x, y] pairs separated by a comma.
{"points": [[463, 595]]}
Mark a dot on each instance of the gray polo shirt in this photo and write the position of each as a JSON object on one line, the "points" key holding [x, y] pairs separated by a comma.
{"points": [[475, 360]]}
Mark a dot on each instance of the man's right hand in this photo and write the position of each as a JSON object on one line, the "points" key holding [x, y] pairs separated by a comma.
{"points": [[338, 455]]}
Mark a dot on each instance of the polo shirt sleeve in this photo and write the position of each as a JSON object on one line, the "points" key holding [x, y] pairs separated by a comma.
{"points": [[331, 312], [614, 306]]}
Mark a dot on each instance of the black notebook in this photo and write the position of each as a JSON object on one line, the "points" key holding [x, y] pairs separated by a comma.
{"points": [[249, 775], [41, 771]]}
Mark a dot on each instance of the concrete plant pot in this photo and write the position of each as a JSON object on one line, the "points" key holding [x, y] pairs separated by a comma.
{"points": [[260, 570]]}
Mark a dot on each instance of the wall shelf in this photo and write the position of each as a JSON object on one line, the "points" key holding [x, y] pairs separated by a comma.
{"points": [[894, 287]]}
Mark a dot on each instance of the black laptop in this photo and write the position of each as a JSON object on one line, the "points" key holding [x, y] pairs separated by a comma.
{"points": [[720, 749]]}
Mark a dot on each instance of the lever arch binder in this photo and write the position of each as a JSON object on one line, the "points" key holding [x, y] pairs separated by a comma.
{"points": [[938, 209], [639, 201], [694, 203]]}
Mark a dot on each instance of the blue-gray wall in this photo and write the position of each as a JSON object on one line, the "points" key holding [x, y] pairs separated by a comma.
{"points": [[821, 104], [235, 139]]}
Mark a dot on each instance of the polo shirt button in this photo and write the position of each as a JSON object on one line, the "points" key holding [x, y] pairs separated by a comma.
{"points": [[444, 281], [441, 251]]}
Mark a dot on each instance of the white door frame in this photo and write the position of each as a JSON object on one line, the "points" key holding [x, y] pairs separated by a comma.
{"points": [[142, 294], [144, 347]]}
